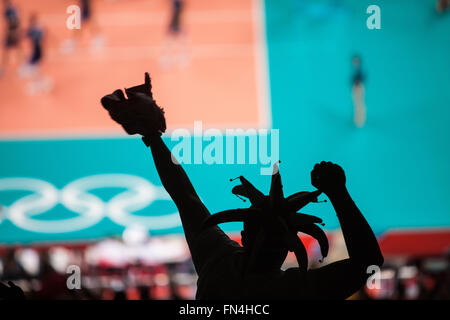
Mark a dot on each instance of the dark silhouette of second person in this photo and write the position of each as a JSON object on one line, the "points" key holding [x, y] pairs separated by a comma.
{"points": [[222, 264]]}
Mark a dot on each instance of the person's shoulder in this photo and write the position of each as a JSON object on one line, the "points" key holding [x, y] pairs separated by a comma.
{"points": [[292, 272], [214, 243]]}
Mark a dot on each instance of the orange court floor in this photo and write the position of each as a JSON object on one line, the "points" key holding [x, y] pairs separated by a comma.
{"points": [[220, 82]]}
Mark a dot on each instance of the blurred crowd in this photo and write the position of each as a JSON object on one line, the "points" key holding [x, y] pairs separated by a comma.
{"points": [[43, 274], [426, 278]]}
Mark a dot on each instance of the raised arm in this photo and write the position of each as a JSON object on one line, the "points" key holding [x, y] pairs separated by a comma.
{"points": [[343, 278], [179, 187], [139, 114]]}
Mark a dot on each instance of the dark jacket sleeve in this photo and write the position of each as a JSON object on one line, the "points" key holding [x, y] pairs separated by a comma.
{"points": [[204, 245]]}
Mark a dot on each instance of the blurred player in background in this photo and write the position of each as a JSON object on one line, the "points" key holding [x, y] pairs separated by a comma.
{"points": [[359, 107], [32, 68], [174, 47], [88, 22], [442, 5], [175, 27], [12, 34]]}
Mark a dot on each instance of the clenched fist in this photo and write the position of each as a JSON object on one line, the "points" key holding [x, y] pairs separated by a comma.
{"points": [[139, 114], [328, 177]]}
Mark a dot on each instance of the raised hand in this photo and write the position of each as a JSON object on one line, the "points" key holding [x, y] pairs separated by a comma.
{"points": [[328, 177], [139, 114], [145, 88]]}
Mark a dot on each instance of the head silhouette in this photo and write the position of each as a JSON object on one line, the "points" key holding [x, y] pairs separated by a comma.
{"points": [[271, 250], [356, 59], [271, 224]]}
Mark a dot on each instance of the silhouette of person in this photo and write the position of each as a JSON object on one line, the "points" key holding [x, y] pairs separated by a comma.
{"points": [[359, 112], [442, 5], [12, 268], [175, 21], [36, 34], [12, 36], [89, 24], [175, 48], [221, 264], [53, 284]]}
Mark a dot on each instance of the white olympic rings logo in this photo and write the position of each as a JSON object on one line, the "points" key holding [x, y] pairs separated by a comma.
{"points": [[91, 209]]}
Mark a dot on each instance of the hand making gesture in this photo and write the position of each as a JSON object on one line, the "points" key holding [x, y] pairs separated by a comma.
{"points": [[139, 114]]}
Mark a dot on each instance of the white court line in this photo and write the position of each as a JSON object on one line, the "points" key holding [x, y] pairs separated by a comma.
{"points": [[262, 65], [129, 53]]}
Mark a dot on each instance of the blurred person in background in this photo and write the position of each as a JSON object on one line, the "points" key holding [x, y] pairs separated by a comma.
{"points": [[89, 21], [175, 46], [144, 292], [175, 22], [120, 294], [442, 5], [359, 107], [174, 287], [442, 288], [174, 290], [400, 288], [12, 269], [89, 24], [11, 292], [12, 35], [433, 284], [53, 284], [39, 83]]}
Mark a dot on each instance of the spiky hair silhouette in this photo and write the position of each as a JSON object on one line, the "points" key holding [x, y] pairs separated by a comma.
{"points": [[276, 213]]}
